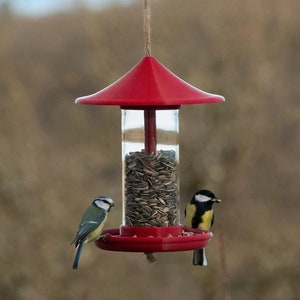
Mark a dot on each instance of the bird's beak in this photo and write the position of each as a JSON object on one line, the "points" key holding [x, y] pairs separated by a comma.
{"points": [[216, 200], [112, 205]]}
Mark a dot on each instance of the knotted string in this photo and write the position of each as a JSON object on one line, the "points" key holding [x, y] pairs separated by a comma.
{"points": [[147, 28]]}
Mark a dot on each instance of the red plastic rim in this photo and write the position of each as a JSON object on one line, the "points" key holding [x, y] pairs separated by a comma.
{"points": [[187, 240]]}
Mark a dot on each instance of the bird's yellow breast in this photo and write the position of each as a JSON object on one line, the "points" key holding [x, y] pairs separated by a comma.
{"points": [[206, 220], [94, 235]]}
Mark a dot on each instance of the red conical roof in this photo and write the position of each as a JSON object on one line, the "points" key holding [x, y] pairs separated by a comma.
{"points": [[149, 84]]}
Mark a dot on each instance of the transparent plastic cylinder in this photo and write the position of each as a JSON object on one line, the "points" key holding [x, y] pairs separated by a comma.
{"points": [[150, 159]]}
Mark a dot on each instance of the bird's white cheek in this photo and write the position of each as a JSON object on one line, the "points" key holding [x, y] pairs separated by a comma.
{"points": [[104, 206], [202, 198]]}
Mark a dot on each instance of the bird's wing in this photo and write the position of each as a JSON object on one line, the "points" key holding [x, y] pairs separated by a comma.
{"points": [[190, 212], [91, 219]]}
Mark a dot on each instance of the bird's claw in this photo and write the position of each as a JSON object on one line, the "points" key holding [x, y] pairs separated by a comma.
{"points": [[104, 236]]}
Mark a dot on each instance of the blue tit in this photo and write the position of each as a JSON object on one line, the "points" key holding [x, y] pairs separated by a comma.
{"points": [[91, 224], [199, 214]]}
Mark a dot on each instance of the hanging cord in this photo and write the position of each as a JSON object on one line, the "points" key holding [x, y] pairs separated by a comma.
{"points": [[147, 28]]}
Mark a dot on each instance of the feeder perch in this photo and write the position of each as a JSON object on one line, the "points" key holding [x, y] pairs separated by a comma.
{"points": [[150, 96]]}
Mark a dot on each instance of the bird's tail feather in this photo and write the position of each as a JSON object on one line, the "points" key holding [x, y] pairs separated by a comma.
{"points": [[199, 257], [77, 256]]}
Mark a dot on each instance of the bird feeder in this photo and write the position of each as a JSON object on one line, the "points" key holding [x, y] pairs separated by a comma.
{"points": [[150, 97]]}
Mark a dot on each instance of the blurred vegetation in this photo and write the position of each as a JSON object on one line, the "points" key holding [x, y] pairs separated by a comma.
{"points": [[57, 156]]}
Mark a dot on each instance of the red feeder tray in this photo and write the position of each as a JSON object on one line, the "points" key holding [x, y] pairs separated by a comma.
{"points": [[188, 239]]}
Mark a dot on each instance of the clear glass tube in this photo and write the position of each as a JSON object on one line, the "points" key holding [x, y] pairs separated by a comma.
{"points": [[150, 159]]}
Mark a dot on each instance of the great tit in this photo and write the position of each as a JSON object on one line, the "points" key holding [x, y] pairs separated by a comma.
{"points": [[91, 224], [199, 214]]}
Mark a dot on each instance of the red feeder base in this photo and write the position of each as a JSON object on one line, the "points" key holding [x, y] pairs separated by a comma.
{"points": [[153, 239]]}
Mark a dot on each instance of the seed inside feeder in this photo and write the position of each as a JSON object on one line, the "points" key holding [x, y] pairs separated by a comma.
{"points": [[151, 188]]}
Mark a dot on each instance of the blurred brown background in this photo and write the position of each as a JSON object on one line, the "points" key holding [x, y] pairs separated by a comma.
{"points": [[57, 156]]}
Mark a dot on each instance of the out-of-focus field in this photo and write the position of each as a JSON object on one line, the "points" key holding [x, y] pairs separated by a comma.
{"points": [[55, 156]]}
